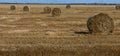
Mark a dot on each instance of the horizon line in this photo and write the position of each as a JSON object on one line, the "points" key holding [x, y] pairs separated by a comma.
{"points": [[66, 3]]}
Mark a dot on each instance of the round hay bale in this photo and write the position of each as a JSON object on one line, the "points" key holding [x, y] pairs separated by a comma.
{"points": [[100, 23], [117, 7], [56, 12], [47, 10], [26, 8], [12, 7], [68, 6]]}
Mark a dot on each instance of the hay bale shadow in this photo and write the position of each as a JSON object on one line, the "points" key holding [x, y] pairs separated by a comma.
{"points": [[82, 32]]}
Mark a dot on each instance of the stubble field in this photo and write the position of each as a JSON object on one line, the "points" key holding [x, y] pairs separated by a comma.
{"points": [[34, 33]]}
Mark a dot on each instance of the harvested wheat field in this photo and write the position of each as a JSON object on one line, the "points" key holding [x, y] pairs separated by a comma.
{"points": [[35, 33]]}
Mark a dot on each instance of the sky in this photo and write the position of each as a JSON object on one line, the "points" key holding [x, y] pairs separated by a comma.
{"points": [[60, 1]]}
